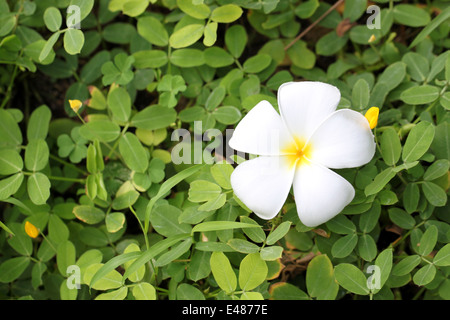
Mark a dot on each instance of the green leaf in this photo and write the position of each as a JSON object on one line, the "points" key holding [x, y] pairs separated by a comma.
{"points": [[164, 219], [119, 294], [195, 10], [104, 130], [341, 225], [154, 117], [217, 57], [367, 247], [424, 275], [320, 280], [442, 257], [38, 123], [85, 7], [151, 253], [221, 172], [88, 214], [434, 194], [65, 256], [210, 34], [189, 292], [221, 225], [187, 58], [360, 94], [257, 63], [401, 218], [107, 280], [278, 233], [223, 272], [38, 186], [119, 103], [186, 36], [73, 41], [391, 147], [287, 291], [419, 140], [13, 268], [428, 241], [227, 115], [36, 155], [150, 59], [10, 162], [203, 190], [165, 187], [406, 265], [420, 95], [114, 221], [226, 14], [10, 185], [215, 98], [271, 253], [52, 19], [20, 242], [344, 246], [199, 267], [411, 197], [47, 49], [301, 56], [9, 130], [176, 252], [442, 17], [354, 9], [144, 291], [416, 65], [351, 278], [384, 262], [252, 272], [152, 30], [236, 39], [243, 246], [330, 44], [437, 169], [133, 153], [410, 15]]}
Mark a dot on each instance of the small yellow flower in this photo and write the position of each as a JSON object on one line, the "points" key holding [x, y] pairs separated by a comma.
{"points": [[31, 230], [75, 105], [372, 38], [372, 116]]}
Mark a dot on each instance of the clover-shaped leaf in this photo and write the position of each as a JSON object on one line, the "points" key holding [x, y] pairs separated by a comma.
{"points": [[118, 72], [73, 146]]}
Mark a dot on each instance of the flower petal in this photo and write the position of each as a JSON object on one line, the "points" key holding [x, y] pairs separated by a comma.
{"points": [[304, 105], [263, 184], [343, 140], [261, 132], [320, 193]]}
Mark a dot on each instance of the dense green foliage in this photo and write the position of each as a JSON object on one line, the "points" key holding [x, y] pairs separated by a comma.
{"points": [[103, 190]]}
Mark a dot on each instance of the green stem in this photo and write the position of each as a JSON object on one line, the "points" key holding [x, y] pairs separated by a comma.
{"points": [[9, 90], [124, 130], [147, 245], [68, 164], [58, 178]]}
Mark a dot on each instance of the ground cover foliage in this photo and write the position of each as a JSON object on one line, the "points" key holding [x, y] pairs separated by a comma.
{"points": [[113, 211]]}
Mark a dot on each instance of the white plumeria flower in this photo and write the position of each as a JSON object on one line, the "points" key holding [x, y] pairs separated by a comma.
{"points": [[298, 149]]}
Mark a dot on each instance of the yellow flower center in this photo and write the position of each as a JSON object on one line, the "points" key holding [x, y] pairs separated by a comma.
{"points": [[372, 116], [31, 230], [298, 152], [75, 105]]}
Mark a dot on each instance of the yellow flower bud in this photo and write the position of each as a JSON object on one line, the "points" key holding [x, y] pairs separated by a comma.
{"points": [[372, 38], [372, 116], [75, 105], [31, 230]]}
